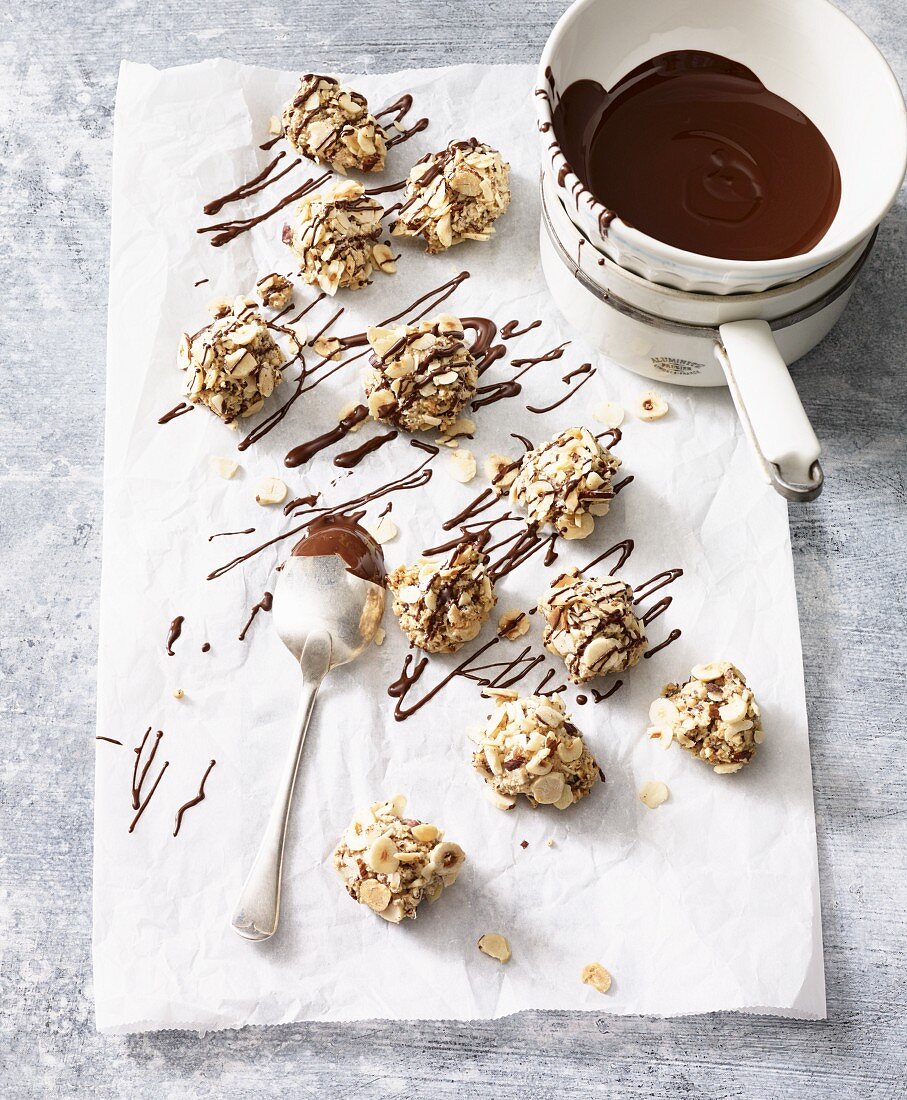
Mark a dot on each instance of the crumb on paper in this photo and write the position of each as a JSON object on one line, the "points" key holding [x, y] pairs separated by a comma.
{"points": [[650, 406], [495, 946], [271, 490], [463, 425], [462, 466], [594, 974], [274, 291], [223, 467], [653, 793], [384, 530], [609, 413]]}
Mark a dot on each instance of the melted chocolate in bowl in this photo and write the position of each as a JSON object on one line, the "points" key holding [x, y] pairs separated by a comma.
{"points": [[343, 537], [692, 149]]}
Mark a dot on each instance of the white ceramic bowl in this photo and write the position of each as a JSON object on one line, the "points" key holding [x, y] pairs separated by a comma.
{"points": [[804, 50]]}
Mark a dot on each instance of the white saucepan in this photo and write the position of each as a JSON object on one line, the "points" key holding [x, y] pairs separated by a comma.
{"points": [[740, 340], [701, 320]]}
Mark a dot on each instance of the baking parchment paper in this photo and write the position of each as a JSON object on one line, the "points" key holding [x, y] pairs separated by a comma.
{"points": [[709, 902]]}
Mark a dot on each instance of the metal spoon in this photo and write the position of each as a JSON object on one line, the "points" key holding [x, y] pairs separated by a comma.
{"points": [[326, 614]]}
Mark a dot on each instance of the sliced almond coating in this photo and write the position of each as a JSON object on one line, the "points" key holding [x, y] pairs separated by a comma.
{"points": [[461, 426], [495, 946], [707, 672], [382, 856], [395, 912], [375, 895], [397, 804], [653, 793], [609, 413], [663, 712], [650, 406], [275, 125], [594, 974], [582, 526], [223, 467], [426, 834], [566, 799], [384, 259], [462, 466], [271, 491], [663, 734], [734, 710], [570, 750], [597, 650], [727, 769], [500, 695], [513, 625], [219, 307], [547, 789], [380, 636], [501, 801], [446, 859]]}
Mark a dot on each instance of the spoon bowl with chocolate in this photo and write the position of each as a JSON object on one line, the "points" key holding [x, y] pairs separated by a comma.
{"points": [[328, 603]]}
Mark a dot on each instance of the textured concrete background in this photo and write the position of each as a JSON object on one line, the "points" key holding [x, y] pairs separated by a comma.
{"points": [[59, 67]]}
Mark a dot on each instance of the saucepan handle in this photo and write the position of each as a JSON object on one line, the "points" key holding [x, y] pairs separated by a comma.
{"points": [[770, 409]]}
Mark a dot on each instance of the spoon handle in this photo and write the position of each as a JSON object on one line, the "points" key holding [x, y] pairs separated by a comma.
{"points": [[258, 910]]}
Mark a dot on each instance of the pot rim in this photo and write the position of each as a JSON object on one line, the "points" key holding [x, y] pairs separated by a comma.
{"points": [[643, 246]]}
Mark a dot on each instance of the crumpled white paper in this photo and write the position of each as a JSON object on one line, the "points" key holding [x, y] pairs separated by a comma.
{"points": [[709, 902]]}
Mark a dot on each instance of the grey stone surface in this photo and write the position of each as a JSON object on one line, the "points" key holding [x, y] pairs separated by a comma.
{"points": [[59, 67]]}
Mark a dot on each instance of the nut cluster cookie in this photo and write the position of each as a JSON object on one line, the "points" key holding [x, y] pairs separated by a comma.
{"points": [[391, 863], [335, 238], [714, 716], [565, 483], [442, 605], [421, 376], [331, 124], [529, 746], [454, 195], [233, 364], [274, 291], [589, 621]]}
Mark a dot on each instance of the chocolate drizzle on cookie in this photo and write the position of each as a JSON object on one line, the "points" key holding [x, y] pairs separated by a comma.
{"points": [[228, 230]]}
